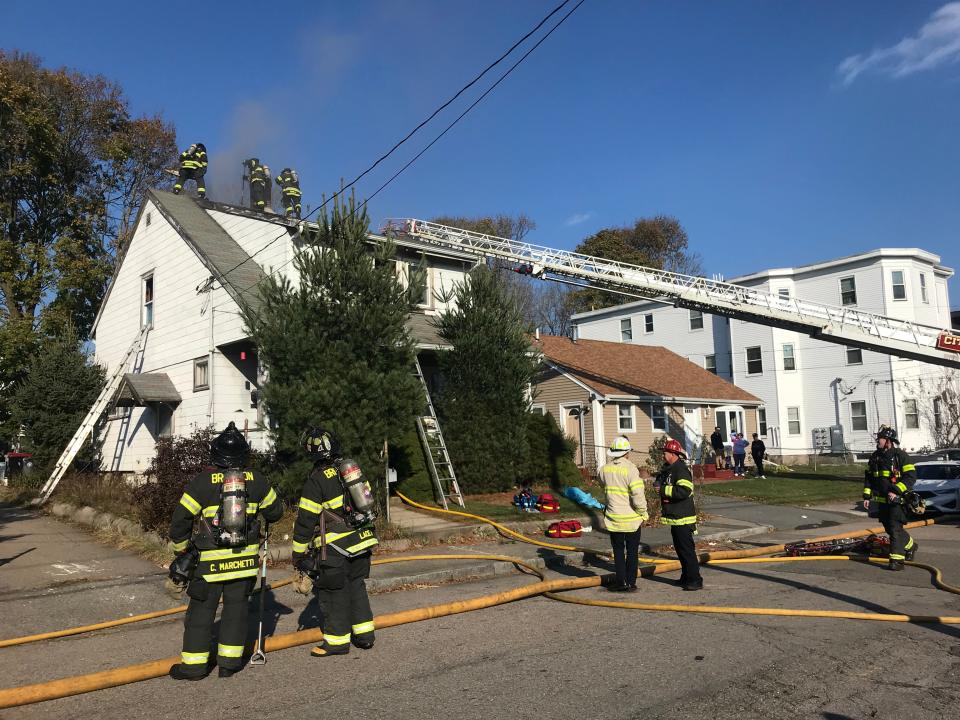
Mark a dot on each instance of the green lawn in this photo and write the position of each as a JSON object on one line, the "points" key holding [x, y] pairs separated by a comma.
{"points": [[803, 486]]}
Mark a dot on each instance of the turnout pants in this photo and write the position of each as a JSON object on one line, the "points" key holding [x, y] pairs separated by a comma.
{"points": [[291, 205], [342, 592], [687, 553], [198, 623], [626, 545], [758, 461], [258, 195], [893, 516], [190, 174]]}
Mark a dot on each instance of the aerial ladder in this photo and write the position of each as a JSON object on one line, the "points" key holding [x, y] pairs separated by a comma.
{"points": [[841, 325]]}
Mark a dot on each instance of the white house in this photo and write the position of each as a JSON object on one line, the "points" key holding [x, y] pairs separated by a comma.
{"points": [[809, 384], [186, 271]]}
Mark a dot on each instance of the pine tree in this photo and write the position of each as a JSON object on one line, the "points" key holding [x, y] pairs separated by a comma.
{"points": [[483, 403], [335, 347]]}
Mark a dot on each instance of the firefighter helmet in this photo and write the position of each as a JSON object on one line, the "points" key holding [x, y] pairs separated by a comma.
{"points": [[201, 146], [888, 433], [229, 448], [673, 446], [322, 444], [619, 447], [914, 503]]}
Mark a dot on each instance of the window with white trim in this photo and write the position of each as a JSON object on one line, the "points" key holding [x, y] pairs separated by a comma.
{"points": [[626, 422], [762, 421], [696, 320], [848, 290], [899, 285], [911, 414], [923, 288], [538, 409], [411, 269], [648, 323], [626, 330], [146, 313], [937, 414], [710, 363], [789, 360], [858, 415], [854, 356], [201, 377], [658, 416], [793, 421], [754, 361]]}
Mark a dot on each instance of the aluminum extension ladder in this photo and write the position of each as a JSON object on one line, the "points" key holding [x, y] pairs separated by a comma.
{"points": [[435, 449], [92, 418], [124, 429]]}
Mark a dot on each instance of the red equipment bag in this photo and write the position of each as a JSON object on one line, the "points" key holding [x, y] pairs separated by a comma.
{"points": [[565, 529], [547, 503]]}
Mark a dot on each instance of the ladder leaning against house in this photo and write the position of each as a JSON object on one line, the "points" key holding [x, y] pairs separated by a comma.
{"points": [[124, 428], [92, 418], [438, 459]]}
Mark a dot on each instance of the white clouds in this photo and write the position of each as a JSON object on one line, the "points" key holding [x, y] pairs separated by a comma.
{"points": [[936, 44], [578, 218]]}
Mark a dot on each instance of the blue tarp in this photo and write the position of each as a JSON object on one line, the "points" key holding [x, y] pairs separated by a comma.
{"points": [[581, 497]]}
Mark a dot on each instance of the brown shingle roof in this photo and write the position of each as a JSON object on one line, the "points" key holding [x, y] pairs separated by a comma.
{"points": [[612, 368]]}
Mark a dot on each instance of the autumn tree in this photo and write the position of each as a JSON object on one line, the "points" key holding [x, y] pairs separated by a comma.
{"points": [[73, 168], [659, 242]]}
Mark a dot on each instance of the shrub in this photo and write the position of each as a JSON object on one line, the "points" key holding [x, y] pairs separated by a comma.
{"points": [[106, 492], [177, 460], [413, 477], [550, 456], [655, 454]]}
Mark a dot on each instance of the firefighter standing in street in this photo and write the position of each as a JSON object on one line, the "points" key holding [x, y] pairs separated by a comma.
{"points": [[679, 512], [226, 500], [258, 184], [893, 476], [193, 166], [335, 519], [290, 189], [625, 511]]}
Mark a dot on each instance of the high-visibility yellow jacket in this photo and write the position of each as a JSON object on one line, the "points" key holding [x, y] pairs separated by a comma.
{"points": [[626, 504]]}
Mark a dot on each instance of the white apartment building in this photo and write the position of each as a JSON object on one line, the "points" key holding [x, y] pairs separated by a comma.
{"points": [[805, 383]]}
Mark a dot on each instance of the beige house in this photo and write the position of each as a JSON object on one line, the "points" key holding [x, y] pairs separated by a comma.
{"points": [[598, 390]]}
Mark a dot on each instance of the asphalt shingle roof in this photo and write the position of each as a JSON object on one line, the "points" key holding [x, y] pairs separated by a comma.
{"points": [[139, 389], [612, 368]]}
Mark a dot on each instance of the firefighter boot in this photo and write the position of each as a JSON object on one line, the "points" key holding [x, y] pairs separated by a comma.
{"points": [[178, 672], [327, 650], [895, 565], [911, 551]]}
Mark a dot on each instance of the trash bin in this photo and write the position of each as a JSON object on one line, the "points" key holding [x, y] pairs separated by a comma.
{"points": [[19, 466]]}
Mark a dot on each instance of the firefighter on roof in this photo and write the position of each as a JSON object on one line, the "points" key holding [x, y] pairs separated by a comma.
{"points": [[193, 166], [258, 184], [893, 475], [223, 553], [332, 542], [290, 189]]}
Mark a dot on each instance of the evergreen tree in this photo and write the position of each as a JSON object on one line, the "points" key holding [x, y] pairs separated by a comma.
{"points": [[60, 386], [483, 402], [335, 347]]}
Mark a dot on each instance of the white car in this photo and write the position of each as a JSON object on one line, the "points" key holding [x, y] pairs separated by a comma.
{"points": [[938, 483]]}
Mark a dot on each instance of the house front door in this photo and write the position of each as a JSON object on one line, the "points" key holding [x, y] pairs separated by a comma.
{"points": [[692, 430]]}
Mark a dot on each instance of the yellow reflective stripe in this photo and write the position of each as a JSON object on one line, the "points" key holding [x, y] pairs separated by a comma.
{"points": [[299, 547], [310, 506], [361, 628], [210, 510], [884, 473], [334, 504], [896, 556], [235, 553], [252, 508], [900, 486], [617, 491], [178, 546], [236, 575], [909, 467], [680, 521], [909, 544], [616, 469], [636, 484], [336, 639], [867, 490], [332, 537], [668, 490], [685, 483], [269, 499], [623, 516], [192, 506], [230, 650], [369, 542], [194, 658]]}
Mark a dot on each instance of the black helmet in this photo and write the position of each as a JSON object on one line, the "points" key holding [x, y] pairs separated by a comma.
{"points": [[229, 448], [915, 503], [201, 146], [888, 433], [321, 444]]}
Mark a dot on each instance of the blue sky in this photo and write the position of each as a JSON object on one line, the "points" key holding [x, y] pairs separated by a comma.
{"points": [[779, 133]]}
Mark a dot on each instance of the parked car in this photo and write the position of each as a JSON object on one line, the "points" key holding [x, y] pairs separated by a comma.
{"points": [[945, 454], [938, 483]]}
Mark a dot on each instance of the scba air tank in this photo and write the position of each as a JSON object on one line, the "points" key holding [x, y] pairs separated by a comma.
{"points": [[359, 492], [233, 509]]}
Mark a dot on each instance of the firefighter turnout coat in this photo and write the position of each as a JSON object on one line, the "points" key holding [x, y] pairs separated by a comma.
{"points": [[889, 471], [676, 495], [626, 504], [202, 499], [324, 491]]}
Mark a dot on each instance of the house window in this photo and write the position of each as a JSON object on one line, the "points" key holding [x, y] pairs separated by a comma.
{"points": [[854, 356], [789, 361], [201, 380], [625, 419], [658, 414], [911, 414], [784, 293], [762, 421], [899, 286], [538, 409], [148, 218], [754, 361], [411, 270], [164, 420], [937, 414], [146, 316], [793, 420], [648, 323], [710, 363], [696, 320], [858, 415], [923, 288], [848, 291], [626, 330]]}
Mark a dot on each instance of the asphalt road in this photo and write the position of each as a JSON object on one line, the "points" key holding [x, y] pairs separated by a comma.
{"points": [[535, 658]]}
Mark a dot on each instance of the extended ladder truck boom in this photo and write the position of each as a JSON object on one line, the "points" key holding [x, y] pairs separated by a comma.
{"points": [[841, 325]]}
